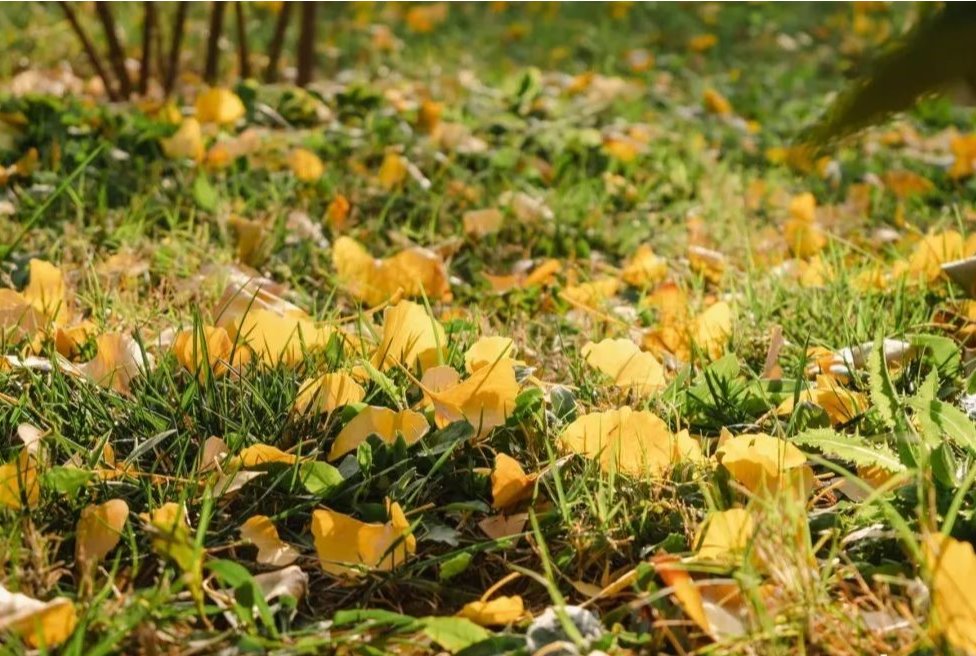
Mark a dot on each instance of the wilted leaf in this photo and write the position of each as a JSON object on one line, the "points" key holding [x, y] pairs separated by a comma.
{"points": [[272, 550]]}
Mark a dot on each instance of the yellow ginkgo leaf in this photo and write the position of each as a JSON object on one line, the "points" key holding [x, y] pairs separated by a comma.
{"points": [[172, 539], [591, 293], [186, 142], [627, 366], [278, 339], [305, 164], [118, 360], [712, 328], [487, 351], [46, 289], [485, 400], [99, 530], [385, 423], [952, 566], [841, 404], [258, 455], [18, 482], [934, 250], [328, 392], [40, 624], [272, 550], [644, 268], [725, 535], [414, 272], [410, 335], [683, 587], [765, 463], [509, 482], [499, 611], [344, 543], [702, 42], [636, 443], [68, 340], [393, 171], [963, 149], [18, 318], [715, 103], [219, 105], [211, 344], [481, 223]]}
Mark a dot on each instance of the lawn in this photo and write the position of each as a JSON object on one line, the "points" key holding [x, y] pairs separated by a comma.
{"points": [[524, 328]]}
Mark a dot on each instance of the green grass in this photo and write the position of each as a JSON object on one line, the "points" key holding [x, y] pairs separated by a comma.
{"points": [[103, 188]]}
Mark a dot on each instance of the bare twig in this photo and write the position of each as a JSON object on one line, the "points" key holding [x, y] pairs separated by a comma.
{"points": [[173, 67], [243, 58], [116, 54], [93, 57], [277, 42], [306, 44], [148, 28], [213, 41]]}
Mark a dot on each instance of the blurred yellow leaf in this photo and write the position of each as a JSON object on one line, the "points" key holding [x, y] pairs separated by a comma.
{"points": [[644, 268], [46, 289], [952, 566], [393, 171], [118, 360], [40, 624], [481, 223], [219, 105], [497, 612], [214, 346], [186, 142], [716, 103], [415, 271], [725, 535], [305, 164], [278, 339]]}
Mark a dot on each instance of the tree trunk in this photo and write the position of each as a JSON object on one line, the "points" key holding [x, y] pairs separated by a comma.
{"points": [[116, 54], [277, 43], [306, 44], [176, 43], [213, 42], [148, 28], [93, 57]]}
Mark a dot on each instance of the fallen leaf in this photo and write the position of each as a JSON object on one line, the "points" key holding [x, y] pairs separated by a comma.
{"points": [[644, 268], [257, 455], [328, 392], [305, 164], [486, 351], [40, 624], [485, 399], [118, 361], [344, 543], [952, 566], [219, 105], [211, 345], [481, 223], [725, 535], [509, 482], [638, 443], [410, 335], [186, 142], [385, 423], [415, 272], [628, 367], [99, 530], [499, 611], [19, 483], [272, 550], [762, 462]]}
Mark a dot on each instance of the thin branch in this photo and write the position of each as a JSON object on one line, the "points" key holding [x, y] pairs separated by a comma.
{"points": [[176, 43], [213, 41], [277, 42], [93, 57], [148, 27], [116, 54], [242, 51], [306, 44]]}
